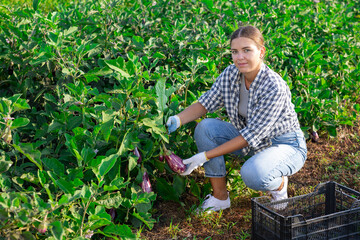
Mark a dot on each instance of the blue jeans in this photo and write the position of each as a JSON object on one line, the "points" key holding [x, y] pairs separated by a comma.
{"points": [[262, 171]]}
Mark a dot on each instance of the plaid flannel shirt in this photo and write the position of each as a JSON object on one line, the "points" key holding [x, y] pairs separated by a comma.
{"points": [[270, 111]]}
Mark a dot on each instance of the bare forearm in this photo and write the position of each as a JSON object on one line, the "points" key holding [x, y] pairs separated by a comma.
{"points": [[228, 147], [192, 113]]}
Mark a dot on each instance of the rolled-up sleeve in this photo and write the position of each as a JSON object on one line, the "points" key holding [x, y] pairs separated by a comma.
{"points": [[212, 100]]}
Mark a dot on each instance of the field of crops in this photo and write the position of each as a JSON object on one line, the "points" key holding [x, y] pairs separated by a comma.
{"points": [[85, 83]]}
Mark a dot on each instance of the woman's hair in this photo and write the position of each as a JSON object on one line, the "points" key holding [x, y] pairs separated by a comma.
{"points": [[249, 32]]}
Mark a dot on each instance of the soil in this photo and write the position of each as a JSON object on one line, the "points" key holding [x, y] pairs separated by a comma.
{"points": [[329, 159]]}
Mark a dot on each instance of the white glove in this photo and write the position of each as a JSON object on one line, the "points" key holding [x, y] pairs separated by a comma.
{"points": [[194, 162], [173, 123]]}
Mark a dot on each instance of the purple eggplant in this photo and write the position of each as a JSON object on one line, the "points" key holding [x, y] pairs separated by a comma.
{"points": [[175, 163], [314, 136], [43, 225], [145, 184], [161, 158], [137, 153]]}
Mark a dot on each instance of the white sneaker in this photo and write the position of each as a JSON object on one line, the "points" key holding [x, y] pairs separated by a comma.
{"points": [[282, 194], [213, 204]]}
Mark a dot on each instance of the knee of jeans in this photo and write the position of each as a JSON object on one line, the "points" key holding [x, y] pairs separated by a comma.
{"points": [[251, 178], [202, 128]]}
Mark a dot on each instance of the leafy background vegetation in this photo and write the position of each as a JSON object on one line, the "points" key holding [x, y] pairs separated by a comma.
{"points": [[84, 83]]}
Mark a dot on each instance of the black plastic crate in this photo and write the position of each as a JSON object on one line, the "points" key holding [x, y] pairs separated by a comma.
{"points": [[332, 211]]}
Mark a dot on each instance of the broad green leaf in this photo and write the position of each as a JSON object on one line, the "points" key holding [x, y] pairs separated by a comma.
{"points": [[28, 236], [57, 230], [195, 188], [166, 191], [86, 192], [70, 31], [154, 126], [5, 165], [64, 199], [145, 218], [179, 184], [20, 105], [123, 231], [159, 55], [54, 165], [28, 150], [42, 178], [116, 68], [107, 163], [357, 107], [64, 185], [41, 58], [111, 202], [87, 154], [161, 96], [73, 122], [132, 162], [106, 128], [119, 183], [36, 4], [125, 144], [19, 122], [55, 126], [208, 3]]}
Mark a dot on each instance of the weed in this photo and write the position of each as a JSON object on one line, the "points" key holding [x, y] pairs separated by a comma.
{"points": [[174, 230]]}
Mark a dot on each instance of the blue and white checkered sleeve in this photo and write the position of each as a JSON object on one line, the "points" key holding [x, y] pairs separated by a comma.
{"points": [[212, 100]]}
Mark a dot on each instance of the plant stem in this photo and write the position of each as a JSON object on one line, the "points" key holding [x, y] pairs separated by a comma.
{"points": [[85, 210]]}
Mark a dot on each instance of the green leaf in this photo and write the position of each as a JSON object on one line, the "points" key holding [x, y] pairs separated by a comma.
{"points": [[357, 107], [36, 4], [70, 31], [122, 231], [145, 218], [28, 236], [42, 178], [54, 165], [166, 191], [195, 188], [107, 163], [73, 122], [28, 150], [87, 154], [20, 105], [19, 122], [159, 129], [159, 55], [332, 131], [179, 184], [132, 162], [161, 96], [5, 165], [57, 230], [125, 144], [111, 202], [106, 129], [64, 185], [114, 66], [209, 3]]}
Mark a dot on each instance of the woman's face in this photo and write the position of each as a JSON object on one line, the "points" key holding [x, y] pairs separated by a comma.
{"points": [[246, 55]]}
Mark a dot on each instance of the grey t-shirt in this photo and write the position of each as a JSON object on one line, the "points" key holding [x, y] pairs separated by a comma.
{"points": [[244, 98]]}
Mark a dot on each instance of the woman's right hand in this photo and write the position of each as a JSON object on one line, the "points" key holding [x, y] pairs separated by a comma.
{"points": [[173, 123]]}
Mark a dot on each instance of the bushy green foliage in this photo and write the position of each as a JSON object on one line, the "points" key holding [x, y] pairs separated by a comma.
{"points": [[83, 84]]}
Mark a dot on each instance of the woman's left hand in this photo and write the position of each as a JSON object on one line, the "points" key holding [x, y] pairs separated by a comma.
{"points": [[194, 162]]}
